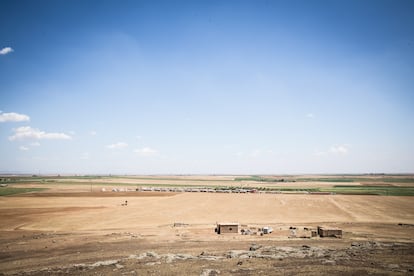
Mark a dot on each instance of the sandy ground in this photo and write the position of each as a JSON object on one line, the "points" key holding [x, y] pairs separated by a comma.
{"points": [[95, 213], [54, 230]]}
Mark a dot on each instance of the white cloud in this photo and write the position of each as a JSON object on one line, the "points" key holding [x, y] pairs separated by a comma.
{"points": [[310, 115], [340, 149], [27, 132], [35, 144], [146, 151], [119, 145], [13, 117], [6, 50], [23, 148], [93, 133], [334, 150]]}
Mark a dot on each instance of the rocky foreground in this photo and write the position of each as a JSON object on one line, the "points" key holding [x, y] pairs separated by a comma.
{"points": [[377, 258]]}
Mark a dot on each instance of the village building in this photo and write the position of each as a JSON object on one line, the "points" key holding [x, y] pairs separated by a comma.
{"points": [[227, 228], [329, 232]]}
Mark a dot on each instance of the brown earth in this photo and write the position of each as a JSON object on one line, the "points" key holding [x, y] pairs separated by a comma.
{"points": [[75, 232]]}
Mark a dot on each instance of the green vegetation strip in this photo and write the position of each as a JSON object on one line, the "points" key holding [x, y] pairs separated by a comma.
{"points": [[352, 190], [360, 179], [371, 190], [398, 180], [5, 191], [328, 179]]}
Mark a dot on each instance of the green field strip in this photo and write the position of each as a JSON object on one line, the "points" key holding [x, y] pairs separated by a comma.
{"points": [[5, 191]]}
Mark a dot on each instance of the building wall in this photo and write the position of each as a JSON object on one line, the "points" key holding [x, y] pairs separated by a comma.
{"points": [[228, 229], [323, 232]]}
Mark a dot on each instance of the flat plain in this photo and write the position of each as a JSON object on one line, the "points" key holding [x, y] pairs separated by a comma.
{"points": [[103, 225]]}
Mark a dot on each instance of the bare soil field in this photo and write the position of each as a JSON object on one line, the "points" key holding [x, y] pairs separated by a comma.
{"points": [[70, 230]]}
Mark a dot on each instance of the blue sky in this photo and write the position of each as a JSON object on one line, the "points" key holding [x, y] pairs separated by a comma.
{"points": [[206, 87]]}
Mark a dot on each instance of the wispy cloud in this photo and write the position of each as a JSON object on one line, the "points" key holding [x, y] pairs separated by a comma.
{"points": [[119, 145], [6, 50], [13, 117], [146, 151], [27, 132], [310, 115], [334, 150], [93, 133], [340, 149], [23, 148]]}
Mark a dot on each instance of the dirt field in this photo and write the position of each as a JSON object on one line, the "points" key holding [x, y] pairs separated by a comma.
{"points": [[71, 231]]}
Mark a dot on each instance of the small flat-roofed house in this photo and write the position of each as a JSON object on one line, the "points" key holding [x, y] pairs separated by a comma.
{"points": [[329, 232], [227, 228]]}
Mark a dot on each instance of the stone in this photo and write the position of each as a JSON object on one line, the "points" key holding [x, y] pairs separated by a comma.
{"points": [[104, 263], [209, 272], [255, 247], [153, 255]]}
